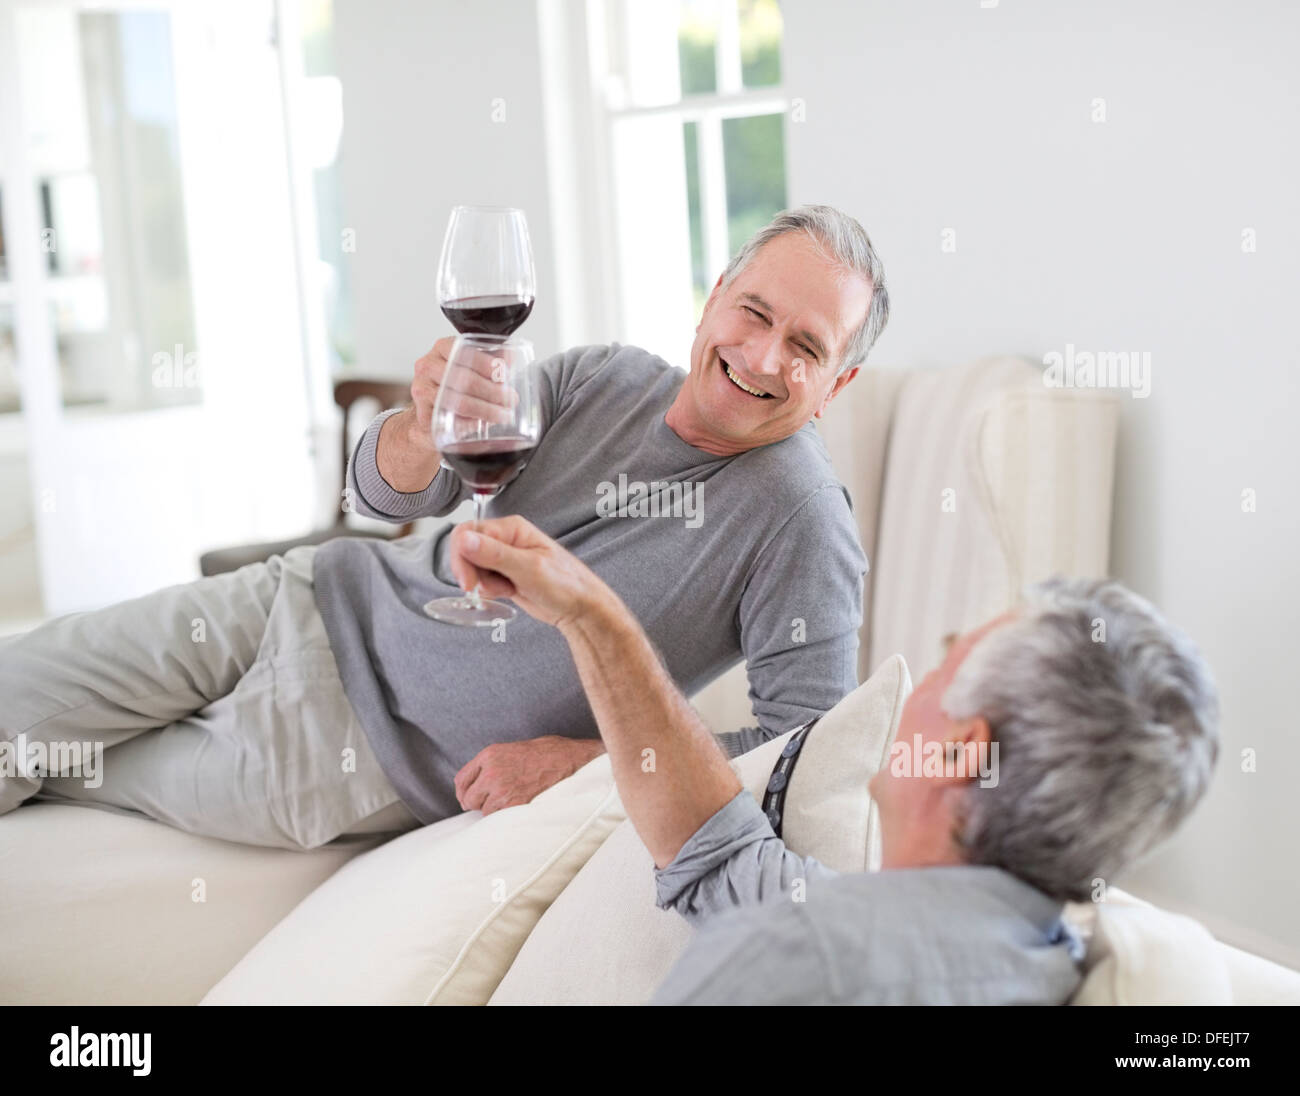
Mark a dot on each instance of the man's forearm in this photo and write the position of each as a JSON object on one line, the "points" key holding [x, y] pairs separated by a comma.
{"points": [[407, 464], [670, 773]]}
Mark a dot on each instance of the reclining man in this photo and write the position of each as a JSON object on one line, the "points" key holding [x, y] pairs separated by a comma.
{"points": [[309, 696], [1103, 749]]}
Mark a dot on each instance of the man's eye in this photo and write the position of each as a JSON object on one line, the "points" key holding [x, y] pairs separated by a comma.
{"points": [[809, 351], [754, 312]]}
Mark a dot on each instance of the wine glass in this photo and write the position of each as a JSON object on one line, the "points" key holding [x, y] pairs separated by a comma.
{"points": [[486, 423], [486, 280]]}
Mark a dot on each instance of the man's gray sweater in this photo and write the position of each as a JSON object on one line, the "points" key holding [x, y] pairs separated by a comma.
{"points": [[754, 556]]}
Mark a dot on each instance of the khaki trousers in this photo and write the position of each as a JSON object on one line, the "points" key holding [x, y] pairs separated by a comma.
{"points": [[214, 706]]}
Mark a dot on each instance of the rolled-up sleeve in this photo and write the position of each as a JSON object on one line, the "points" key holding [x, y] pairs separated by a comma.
{"points": [[734, 859]]}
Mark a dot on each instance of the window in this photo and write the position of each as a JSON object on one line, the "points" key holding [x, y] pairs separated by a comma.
{"points": [[320, 123], [101, 128], [690, 95], [9, 398]]}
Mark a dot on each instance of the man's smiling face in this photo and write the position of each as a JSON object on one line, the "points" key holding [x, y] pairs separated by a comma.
{"points": [[768, 347]]}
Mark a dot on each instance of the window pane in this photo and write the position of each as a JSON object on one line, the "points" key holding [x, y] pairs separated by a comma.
{"points": [[74, 262], [690, 139], [102, 131], [760, 42], [653, 243], [754, 149], [20, 583], [317, 38], [9, 399], [697, 43], [322, 123], [647, 56], [668, 49]]}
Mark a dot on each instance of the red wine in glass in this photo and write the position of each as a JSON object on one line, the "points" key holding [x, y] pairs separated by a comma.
{"points": [[498, 314], [488, 465], [486, 279]]}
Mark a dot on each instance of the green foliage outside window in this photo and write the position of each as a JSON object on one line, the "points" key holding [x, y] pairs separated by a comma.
{"points": [[754, 147]]}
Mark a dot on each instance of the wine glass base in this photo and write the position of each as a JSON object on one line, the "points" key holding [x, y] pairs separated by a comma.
{"points": [[465, 612]]}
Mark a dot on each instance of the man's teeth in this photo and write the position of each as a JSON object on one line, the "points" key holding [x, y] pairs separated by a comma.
{"points": [[741, 384]]}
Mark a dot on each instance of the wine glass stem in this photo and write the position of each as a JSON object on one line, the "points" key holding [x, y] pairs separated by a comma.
{"points": [[480, 497]]}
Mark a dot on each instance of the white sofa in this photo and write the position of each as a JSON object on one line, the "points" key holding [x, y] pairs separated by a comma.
{"points": [[967, 483]]}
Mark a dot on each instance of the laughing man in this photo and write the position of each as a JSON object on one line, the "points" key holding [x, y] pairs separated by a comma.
{"points": [[308, 696]]}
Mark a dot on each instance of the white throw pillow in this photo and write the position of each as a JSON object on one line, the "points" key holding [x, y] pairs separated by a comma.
{"points": [[1142, 955], [603, 941], [435, 916]]}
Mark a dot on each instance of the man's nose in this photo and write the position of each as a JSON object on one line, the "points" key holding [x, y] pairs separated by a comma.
{"points": [[764, 357]]}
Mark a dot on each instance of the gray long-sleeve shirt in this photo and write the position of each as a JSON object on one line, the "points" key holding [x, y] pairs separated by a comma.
{"points": [[777, 928], [761, 561]]}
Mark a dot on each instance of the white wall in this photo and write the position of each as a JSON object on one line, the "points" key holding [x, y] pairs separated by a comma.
{"points": [[1120, 235], [421, 83]]}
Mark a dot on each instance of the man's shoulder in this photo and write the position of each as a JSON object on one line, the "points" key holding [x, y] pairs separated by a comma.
{"points": [[933, 910], [800, 464], [795, 485], [962, 934], [923, 935]]}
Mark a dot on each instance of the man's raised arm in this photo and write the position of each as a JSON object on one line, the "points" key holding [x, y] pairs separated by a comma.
{"points": [[670, 773]]}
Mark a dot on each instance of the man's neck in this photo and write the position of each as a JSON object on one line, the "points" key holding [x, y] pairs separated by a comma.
{"points": [[683, 423], [923, 840]]}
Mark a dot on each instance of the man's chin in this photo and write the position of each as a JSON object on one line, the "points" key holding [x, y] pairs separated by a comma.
{"points": [[740, 423]]}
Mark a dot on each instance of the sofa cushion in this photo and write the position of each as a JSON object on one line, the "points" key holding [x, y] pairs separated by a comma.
{"points": [[1257, 981], [101, 906], [1140, 954], [604, 941], [856, 431], [435, 916]]}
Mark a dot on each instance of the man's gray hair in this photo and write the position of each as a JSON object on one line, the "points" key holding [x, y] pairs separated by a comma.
{"points": [[1106, 720], [845, 243]]}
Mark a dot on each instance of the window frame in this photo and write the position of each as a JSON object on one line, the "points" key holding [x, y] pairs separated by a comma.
{"points": [[708, 110], [584, 85]]}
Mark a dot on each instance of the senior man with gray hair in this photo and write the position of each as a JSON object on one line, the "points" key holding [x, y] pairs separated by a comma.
{"points": [[309, 696], [1106, 740]]}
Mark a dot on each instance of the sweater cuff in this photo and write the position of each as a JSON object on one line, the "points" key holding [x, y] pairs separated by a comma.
{"points": [[731, 743], [378, 493]]}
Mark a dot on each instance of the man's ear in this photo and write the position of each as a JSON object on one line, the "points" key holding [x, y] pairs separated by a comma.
{"points": [[973, 738], [717, 286], [840, 382]]}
